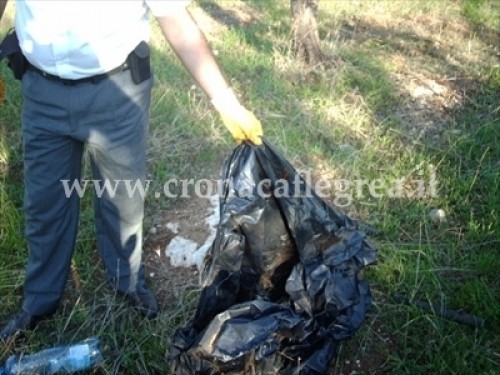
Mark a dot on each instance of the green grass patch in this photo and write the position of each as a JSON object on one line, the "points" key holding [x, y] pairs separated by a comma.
{"points": [[482, 13]]}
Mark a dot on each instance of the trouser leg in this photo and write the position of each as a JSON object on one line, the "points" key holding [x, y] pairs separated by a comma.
{"points": [[118, 157], [118, 222], [112, 117], [51, 214]]}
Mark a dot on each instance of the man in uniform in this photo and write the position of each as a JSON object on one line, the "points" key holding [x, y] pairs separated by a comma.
{"points": [[88, 82]]}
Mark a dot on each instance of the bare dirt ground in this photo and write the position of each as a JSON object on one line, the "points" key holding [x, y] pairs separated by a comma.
{"points": [[185, 219]]}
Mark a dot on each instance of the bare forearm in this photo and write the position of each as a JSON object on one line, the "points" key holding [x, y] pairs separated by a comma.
{"points": [[191, 47]]}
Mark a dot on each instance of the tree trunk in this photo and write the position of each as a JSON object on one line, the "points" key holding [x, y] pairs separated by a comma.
{"points": [[306, 43]]}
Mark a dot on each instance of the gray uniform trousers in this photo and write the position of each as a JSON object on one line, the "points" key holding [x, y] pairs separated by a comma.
{"points": [[110, 117]]}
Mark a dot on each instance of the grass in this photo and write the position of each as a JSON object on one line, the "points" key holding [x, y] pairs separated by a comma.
{"points": [[416, 93]]}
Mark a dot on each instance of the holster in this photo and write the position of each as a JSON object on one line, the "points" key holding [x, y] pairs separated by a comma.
{"points": [[139, 62], [9, 48]]}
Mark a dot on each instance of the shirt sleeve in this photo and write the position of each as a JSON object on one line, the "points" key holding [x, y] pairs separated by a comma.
{"points": [[164, 7]]}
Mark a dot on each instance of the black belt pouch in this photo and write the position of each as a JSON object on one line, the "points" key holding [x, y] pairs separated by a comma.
{"points": [[11, 50], [139, 63]]}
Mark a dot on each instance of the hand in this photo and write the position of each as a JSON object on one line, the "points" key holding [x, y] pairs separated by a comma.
{"points": [[241, 123]]}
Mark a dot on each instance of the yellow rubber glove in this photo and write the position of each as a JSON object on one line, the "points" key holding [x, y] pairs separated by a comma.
{"points": [[241, 123]]}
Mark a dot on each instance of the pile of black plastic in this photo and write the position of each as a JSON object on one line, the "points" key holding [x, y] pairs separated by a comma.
{"points": [[282, 283]]}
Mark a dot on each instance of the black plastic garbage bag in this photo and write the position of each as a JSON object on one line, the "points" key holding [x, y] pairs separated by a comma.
{"points": [[282, 283]]}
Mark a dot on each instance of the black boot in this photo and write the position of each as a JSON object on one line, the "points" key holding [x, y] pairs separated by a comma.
{"points": [[23, 321], [144, 301]]}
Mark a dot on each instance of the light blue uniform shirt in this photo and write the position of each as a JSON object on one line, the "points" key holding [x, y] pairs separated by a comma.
{"points": [[80, 38]]}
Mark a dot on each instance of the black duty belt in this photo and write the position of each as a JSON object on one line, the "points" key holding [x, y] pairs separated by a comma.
{"points": [[71, 82]]}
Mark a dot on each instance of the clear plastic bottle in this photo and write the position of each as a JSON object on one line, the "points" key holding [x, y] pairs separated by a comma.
{"points": [[57, 360]]}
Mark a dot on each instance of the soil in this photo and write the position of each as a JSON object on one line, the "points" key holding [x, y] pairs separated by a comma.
{"points": [[186, 219]]}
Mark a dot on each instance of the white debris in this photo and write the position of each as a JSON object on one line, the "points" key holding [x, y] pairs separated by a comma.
{"points": [[420, 91], [213, 219], [186, 253], [181, 252], [436, 87], [173, 227], [437, 215], [427, 88]]}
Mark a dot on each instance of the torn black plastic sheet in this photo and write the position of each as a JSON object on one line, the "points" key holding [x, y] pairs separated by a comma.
{"points": [[282, 283]]}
